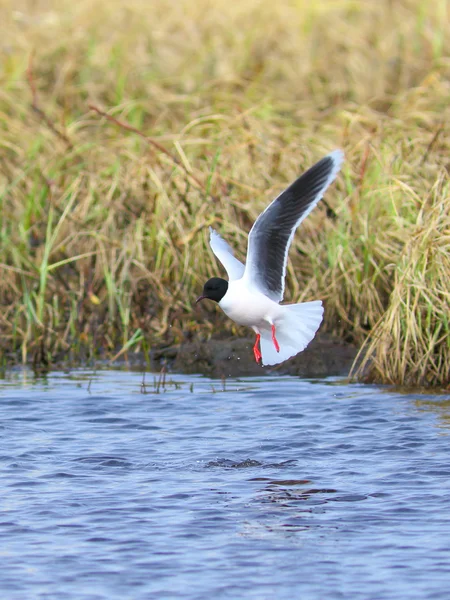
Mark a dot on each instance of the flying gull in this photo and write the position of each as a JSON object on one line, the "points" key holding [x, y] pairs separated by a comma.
{"points": [[254, 291]]}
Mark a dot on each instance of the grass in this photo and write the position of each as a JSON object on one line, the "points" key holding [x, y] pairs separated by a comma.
{"points": [[213, 109]]}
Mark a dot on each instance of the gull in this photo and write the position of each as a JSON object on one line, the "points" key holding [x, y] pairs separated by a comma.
{"points": [[254, 291]]}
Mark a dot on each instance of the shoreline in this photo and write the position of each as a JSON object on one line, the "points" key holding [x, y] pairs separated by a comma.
{"points": [[233, 357], [326, 356], [223, 358]]}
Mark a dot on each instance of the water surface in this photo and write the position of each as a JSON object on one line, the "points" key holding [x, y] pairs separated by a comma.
{"points": [[268, 488]]}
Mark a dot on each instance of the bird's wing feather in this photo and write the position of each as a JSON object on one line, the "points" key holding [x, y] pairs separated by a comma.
{"points": [[224, 253], [272, 232]]}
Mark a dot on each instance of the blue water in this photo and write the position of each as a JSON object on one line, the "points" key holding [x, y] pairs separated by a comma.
{"points": [[268, 488]]}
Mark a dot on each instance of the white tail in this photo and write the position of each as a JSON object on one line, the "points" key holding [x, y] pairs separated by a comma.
{"points": [[294, 330]]}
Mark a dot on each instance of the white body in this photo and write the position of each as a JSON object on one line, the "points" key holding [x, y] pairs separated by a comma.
{"points": [[249, 307], [295, 324]]}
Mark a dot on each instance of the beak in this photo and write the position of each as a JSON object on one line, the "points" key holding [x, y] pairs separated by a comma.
{"points": [[200, 298]]}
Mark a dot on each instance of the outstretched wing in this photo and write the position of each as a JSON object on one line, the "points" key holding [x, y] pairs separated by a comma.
{"points": [[272, 232], [224, 253]]}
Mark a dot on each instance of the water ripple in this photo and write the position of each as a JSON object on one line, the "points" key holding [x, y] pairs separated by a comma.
{"points": [[265, 488]]}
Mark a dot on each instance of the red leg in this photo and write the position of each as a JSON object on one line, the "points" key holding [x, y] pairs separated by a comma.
{"points": [[274, 339], [256, 351]]}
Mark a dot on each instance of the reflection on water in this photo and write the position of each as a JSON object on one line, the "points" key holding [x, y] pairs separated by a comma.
{"points": [[439, 405], [119, 485]]}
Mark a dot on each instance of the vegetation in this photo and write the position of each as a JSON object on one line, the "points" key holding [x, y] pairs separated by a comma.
{"points": [[214, 108]]}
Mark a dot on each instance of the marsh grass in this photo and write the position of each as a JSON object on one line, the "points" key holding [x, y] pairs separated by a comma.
{"points": [[212, 109]]}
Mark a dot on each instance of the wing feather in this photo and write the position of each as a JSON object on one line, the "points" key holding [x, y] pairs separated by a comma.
{"points": [[224, 253], [271, 235]]}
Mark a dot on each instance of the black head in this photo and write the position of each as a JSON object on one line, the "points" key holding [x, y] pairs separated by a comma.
{"points": [[214, 289]]}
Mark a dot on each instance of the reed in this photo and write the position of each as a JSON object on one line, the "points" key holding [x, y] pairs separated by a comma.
{"points": [[128, 128]]}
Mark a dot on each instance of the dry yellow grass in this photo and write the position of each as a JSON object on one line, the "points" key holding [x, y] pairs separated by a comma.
{"points": [[410, 343], [103, 235]]}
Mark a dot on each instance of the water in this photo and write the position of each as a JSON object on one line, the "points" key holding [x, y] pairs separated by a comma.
{"points": [[272, 488]]}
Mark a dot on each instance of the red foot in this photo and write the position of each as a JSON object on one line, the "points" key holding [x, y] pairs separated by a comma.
{"points": [[274, 339], [256, 351]]}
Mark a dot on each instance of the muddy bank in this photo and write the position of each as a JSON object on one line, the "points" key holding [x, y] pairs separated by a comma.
{"points": [[230, 357], [325, 356]]}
